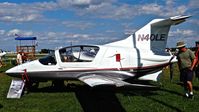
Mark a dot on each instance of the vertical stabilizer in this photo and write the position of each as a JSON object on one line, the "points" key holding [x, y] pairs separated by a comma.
{"points": [[154, 35]]}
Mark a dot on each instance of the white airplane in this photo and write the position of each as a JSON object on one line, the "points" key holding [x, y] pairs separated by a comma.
{"points": [[2, 53], [141, 56]]}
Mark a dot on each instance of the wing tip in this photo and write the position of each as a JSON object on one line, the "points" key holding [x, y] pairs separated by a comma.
{"points": [[180, 17]]}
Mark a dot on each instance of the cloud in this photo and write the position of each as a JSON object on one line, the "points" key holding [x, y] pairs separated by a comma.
{"points": [[88, 10], [109, 10], [22, 18], [194, 3], [98, 8], [51, 34], [182, 32], [65, 39], [194, 21], [165, 11], [12, 33], [43, 6], [24, 12], [150, 9], [82, 3], [78, 24], [62, 37], [78, 3], [170, 2], [2, 32], [114, 10], [187, 35], [51, 39]]}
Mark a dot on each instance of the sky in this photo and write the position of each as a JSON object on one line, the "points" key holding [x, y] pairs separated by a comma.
{"points": [[58, 23]]}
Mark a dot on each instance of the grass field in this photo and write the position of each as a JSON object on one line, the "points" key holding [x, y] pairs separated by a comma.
{"points": [[81, 98]]}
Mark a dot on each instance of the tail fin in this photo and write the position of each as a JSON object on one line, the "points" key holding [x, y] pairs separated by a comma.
{"points": [[153, 36]]}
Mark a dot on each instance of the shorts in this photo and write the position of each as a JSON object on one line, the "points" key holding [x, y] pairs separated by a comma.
{"points": [[186, 75]]}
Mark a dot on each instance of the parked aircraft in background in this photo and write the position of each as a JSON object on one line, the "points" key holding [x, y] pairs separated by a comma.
{"points": [[2, 53], [141, 56]]}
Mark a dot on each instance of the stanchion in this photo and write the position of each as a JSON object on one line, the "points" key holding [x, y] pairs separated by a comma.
{"points": [[17, 86], [24, 76], [26, 81]]}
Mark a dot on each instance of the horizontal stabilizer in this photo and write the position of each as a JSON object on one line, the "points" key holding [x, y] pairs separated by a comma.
{"points": [[97, 80], [171, 21], [179, 17]]}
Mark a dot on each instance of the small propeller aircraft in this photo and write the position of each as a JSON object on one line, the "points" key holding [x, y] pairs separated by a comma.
{"points": [[141, 56], [2, 53]]}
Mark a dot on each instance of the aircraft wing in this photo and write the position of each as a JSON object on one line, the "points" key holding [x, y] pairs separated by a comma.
{"points": [[97, 80]]}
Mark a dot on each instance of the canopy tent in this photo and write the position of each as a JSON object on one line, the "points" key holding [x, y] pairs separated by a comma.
{"points": [[26, 45], [26, 38]]}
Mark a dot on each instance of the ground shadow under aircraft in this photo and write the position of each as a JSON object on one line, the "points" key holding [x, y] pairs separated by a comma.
{"points": [[182, 85], [1, 106], [104, 99], [98, 99], [90, 99], [95, 100]]}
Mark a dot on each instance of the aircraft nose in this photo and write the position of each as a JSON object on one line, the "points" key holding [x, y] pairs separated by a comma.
{"points": [[15, 71]]}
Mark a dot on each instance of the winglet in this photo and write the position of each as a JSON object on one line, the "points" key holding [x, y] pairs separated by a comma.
{"points": [[179, 19]]}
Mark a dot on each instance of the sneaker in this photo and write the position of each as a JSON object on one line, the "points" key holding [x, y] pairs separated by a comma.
{"points": [[191, 96], [187, 95]]}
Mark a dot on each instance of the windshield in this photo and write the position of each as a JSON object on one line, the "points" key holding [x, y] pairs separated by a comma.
{"points": [[48, 60], [78, 53]]}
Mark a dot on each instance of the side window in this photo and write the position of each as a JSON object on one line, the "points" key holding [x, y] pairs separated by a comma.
{"points": [[66, 55], [78, 53], [48, 60]]}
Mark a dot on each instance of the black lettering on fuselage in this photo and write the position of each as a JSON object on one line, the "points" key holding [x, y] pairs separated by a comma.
{"points": [[152, 37]]}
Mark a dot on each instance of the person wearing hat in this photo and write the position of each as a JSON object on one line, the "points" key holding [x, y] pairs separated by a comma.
{"points": [[197, 60], [186, 62]]}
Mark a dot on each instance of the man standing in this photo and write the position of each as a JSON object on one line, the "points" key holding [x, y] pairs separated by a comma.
{"points": [[197, 59], [186, 62], [19, 59]]}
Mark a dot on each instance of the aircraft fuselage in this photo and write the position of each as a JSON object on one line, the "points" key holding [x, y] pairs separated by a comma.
{"points": [[103, 60]]}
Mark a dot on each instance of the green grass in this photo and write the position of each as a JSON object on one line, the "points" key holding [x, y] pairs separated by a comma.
{"points": [[167, 98]]}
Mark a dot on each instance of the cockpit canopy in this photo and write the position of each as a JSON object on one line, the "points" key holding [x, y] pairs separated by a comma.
{"points": [[72, 54], [49, 59], [78, 53]]}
